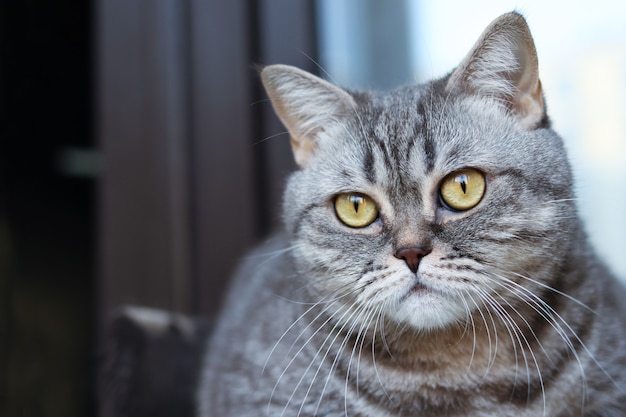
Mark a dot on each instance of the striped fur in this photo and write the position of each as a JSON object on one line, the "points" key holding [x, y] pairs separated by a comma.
{"points": [[514, 314]]}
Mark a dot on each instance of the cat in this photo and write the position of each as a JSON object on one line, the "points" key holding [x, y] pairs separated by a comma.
{"points": [[432, 261]]}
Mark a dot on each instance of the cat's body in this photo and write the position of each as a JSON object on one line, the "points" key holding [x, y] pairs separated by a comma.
{"points": [[457, 279]]}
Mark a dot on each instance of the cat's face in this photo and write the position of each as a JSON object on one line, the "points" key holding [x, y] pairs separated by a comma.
{"points": [[427, 203], [408, 157]]}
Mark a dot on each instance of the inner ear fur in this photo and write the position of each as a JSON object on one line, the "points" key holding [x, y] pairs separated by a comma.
{"points": [[503, 65], [306, 105]]}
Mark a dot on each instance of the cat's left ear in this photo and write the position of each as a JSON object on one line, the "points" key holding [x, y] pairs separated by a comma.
{"points": [[306, 104], [503, 65]]}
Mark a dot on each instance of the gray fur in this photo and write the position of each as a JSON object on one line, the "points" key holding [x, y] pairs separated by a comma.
{"points": [[519, 319]]}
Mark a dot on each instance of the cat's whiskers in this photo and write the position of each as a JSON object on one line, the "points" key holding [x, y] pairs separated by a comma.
{"points": [[550, 288], [361, 334], [495, 330], [358, 311], [271, 255], [334, 328], [523, 343], [469, 322], [278, 380], [380, 320], [383, 331], [547, 312], [491, 305], [328, 299], [530, 349], [275, 135], [525, 348], [352, 321], [363, 316], [373, 319], [535, 303], [362, 337], [562, 200], [319, 350], [544, 310], [328, 305], [319, 66], [493, 346], [468, 312], [568, 327], [487, 303]]}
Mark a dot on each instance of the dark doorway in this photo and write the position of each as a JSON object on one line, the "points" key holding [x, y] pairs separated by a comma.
{"points": [[47, 211]]}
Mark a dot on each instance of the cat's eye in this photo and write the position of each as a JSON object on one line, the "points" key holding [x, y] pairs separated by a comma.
{"points": [[463, 190], [355, 210]]}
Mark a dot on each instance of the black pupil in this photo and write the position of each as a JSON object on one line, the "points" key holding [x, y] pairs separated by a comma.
{"points": [[462, 180], [357, 202]]}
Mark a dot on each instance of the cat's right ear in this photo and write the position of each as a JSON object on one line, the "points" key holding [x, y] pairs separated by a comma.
{"points": [[503, 65], [306, 104]]}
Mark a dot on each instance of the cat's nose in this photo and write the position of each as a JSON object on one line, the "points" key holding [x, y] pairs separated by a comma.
{"points": [[412, 255]]}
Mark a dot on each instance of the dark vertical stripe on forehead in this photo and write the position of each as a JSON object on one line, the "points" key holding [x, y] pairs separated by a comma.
{"points": [[411, 143], [368, 165], [429, 143], [389, 163]]}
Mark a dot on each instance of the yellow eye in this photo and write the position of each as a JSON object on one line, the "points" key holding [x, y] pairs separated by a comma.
{"points": [[355, 210], [463, 190]]}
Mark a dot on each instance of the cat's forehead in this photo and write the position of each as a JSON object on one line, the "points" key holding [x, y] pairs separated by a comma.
{"points": [[416, 111], [395, 118], [423, 127], [385, 111]]}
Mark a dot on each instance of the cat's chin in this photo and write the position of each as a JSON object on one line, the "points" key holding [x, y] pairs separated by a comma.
{"points": [[425, 309]]}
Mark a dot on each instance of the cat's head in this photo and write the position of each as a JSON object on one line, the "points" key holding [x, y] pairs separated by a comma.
{"points": [[428, 202]]}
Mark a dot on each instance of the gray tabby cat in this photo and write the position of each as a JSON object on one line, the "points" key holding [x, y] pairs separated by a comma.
{"points": [[433, 262]]}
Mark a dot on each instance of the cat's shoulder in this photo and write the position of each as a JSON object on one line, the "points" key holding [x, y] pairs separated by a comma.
{"points": [[262, 261], [262, 275]]}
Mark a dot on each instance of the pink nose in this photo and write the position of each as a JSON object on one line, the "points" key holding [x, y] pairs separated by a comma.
{"points": [[412, 255]]}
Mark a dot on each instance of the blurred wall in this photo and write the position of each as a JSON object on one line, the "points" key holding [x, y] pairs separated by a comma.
{"points": [[193, 158]]}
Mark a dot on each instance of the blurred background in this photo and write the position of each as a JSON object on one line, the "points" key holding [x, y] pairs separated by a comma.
{"points": [[139, 157]]}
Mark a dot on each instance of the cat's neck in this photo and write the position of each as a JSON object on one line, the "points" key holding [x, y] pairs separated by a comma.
{"points": [[454, 347]]}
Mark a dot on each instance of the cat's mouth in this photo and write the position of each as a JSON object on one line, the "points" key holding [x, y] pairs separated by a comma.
{"points": [[419, 288]]}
